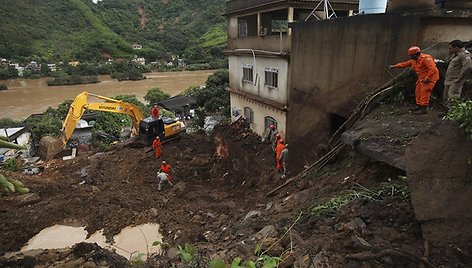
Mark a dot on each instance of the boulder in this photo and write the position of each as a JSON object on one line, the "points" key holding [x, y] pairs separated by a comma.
{"points": [[439, 175], [49, 147]]}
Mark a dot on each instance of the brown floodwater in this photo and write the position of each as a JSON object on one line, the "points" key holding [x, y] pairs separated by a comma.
{"points": [[29, 96]]}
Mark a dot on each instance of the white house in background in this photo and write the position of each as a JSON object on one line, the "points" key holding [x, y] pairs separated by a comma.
{"points": [[137, 46], [141, 61], [52, 67]]}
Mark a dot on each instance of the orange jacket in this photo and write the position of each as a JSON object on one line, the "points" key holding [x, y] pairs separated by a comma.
{"points": [[278, 150], [156, 144], [424, 67], [165, 168], [155, 112]]}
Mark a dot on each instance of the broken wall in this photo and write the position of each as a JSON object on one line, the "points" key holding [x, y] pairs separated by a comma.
{"points": [[336, 61]]}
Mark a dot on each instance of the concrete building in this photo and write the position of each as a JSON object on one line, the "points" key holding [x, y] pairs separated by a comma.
{"points": [[259, 47], [308, 77]]}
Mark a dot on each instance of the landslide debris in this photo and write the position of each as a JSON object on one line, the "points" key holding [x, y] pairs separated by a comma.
{"points": [[355, 212]]}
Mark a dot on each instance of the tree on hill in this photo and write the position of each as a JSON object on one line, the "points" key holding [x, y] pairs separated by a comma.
{"points": [[81, 30], [155, 95], [213, 97]]}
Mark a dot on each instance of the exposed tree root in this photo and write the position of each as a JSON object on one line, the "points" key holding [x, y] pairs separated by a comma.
{"points": [[367, 255]]}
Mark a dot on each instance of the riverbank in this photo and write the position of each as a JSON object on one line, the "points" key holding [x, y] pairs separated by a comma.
{"points": [[29, 96]]}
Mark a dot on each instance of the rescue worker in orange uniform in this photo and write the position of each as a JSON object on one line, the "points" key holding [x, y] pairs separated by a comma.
{"points": [[278, 151], [427, 72], [166, 168], [156, 145], [155, 111]]}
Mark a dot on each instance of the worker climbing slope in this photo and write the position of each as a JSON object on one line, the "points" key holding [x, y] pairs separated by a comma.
{"points": [[165, 167], [157, 146], [163, 179], [278, 153], [427, 72], [283, 159]]}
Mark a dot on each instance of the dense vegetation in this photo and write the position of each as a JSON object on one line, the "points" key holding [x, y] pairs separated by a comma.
{"points": [[56, 30], [213, 97]]}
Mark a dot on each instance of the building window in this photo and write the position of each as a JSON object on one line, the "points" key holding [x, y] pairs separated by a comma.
{"points": [[271, 77], [242, 25], [269, 120], [249, 115], [248, 75]]}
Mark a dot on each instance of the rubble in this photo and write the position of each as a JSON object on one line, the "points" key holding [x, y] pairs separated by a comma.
{"points": [[214, 204]]}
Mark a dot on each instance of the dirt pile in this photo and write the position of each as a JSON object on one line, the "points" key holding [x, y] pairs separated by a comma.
{"points": [[441, 187], [353, 213]]}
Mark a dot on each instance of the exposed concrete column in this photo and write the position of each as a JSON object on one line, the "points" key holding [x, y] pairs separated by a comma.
{"points": [[259, 26], [290, 19]]}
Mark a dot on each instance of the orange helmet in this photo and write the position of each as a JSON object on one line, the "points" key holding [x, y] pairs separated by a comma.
{"points": [[414, 50]]}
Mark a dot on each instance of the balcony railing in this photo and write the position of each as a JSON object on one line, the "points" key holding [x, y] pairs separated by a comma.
{"points": [[273, 43]]}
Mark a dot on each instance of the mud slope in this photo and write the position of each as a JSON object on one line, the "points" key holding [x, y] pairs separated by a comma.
{"points": [[352, 213]]}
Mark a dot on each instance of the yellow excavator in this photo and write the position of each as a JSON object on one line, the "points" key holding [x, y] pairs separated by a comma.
{"points": [[145, 129]]}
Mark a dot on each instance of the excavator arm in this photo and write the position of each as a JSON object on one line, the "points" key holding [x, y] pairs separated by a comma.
{"points": [[82, 103]]}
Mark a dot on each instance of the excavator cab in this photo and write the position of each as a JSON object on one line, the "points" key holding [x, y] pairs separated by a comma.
{"points": [[164, 127], [149, 128]]}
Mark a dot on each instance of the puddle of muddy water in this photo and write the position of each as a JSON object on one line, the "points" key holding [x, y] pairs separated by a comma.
{"points": [[129, 242]]}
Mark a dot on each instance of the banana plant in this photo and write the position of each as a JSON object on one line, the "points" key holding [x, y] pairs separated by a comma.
{"points": [[9, 185], [6, 144]]}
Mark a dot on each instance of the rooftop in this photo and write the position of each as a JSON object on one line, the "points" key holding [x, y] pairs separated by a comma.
{"points": [[234, 6], [177, 103]]}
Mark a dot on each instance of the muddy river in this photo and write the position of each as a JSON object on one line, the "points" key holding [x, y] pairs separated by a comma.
{"points": [[29, 96]]}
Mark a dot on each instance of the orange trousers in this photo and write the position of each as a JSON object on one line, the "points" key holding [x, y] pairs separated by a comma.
{"points": [[158, 152], [423, 92], [278, 165]]}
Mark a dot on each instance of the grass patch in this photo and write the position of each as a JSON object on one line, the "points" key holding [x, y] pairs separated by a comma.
{"points": [[332, 169], [332, 206]]}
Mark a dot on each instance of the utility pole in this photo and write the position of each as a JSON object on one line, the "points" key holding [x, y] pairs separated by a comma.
{"points": [[327, 10]]}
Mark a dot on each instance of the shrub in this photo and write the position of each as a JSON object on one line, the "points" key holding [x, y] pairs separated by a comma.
{"points": [[10, 164], [461, 112], [3, 87], [7, 122]]}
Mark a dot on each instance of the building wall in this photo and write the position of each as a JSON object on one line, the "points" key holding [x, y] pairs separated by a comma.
{"points": [[334, 61], [260, 112], [279, 94]]}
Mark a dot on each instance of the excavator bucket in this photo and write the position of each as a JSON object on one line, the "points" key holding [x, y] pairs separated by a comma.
{"points": [[49, 147]]}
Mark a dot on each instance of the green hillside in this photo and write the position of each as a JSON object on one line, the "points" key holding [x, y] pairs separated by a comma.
{"points": [[65, 30]]}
